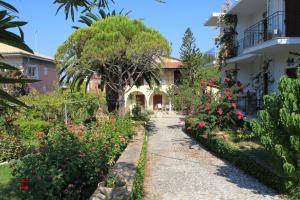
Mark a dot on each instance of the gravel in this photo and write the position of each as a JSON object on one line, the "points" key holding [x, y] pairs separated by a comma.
{"points": [[178, 168]]}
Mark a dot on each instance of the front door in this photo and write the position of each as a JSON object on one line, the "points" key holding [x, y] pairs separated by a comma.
{"points": [[292, 18], [157, 101], [140, 100]]}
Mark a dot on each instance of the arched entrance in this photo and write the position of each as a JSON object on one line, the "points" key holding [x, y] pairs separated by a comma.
{"points": [[159, 101], [136, 98]]}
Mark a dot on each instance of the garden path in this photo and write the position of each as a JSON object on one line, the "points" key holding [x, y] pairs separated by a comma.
{"points": [[178, 168]]}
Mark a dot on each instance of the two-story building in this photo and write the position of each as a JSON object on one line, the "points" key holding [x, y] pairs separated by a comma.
{"points": [[33, 65], [155, 98], [267, 41]]}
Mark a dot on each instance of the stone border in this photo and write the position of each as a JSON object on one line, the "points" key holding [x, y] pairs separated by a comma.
{"points": [[123, 171]]}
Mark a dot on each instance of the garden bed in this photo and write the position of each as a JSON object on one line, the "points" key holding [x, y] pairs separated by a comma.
{"points": [[125, 181]]}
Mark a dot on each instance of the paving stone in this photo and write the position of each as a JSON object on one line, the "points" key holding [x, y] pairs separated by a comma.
{"points": [[178, 168]]}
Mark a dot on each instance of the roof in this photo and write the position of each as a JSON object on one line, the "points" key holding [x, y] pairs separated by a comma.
{"points": [[10, 50], [246, 7], [172, 63], [213, 20]]}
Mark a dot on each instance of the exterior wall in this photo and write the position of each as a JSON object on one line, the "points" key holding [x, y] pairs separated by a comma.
{"points": [[47, 73], [167, 80]]}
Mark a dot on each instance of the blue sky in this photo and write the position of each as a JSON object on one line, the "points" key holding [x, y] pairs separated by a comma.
{"points": [[171, 19]]}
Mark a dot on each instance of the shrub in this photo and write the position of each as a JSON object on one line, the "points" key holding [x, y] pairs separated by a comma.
{"points": [[138, 115], [215, 112], [278, 127], [10, 147], [138, 184], [67, 165]]}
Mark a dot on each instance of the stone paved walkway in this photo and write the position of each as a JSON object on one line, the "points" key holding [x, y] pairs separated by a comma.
{"points": [[179, 169]]}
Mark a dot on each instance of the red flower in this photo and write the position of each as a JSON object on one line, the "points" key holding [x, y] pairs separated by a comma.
{"points": [[24, 184], [233, 105], [190, 121], [190, 115], [200, 106], [122, 139], [220, 111], [227, 79], [202, 124], [229, 98], [240, 115], [207, 107], [211, 82], [205, 136], [189, 128]]}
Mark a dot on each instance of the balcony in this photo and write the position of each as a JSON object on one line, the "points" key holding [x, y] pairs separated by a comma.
{"points": [[265, 30]]}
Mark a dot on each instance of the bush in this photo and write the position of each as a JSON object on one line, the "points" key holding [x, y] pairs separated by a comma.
{"points": [[278, 127], [67, 165], [138, 184], [10, 147], [138, 115], [215, 112]]}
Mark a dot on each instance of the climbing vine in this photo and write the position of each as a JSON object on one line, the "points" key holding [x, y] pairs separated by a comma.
{"points": [[226, 40]]}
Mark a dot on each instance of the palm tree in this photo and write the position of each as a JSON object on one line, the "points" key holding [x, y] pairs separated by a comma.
{"points": [[12, 39]]}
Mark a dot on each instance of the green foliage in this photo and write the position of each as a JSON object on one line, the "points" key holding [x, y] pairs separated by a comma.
{"points": [[226, 40], [190, 56], [118, 50], [138, 184], [243, 161], [279, 127], [66, 165], [7, 22], [215, 112], [138, 115], [10, 147]]}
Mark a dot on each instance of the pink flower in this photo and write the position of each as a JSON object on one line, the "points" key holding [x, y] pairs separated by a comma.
{"points": [[211, 82], [220, 111], [122, 139], [227, 79], [208, 107], [233, 105], [200, 107], [229, 98], [205, 136], [189, 128], [240, 115], [202, 124], [190, 115]]}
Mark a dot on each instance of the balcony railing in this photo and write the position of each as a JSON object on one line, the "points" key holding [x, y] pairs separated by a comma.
{"points": [[267, 29]]}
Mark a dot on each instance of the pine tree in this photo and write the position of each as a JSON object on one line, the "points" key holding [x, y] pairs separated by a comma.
{"points": [[279, 127], [190, 56]]}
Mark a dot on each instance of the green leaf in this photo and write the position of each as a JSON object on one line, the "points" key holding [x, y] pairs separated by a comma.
{"points": [[8, 6], [5, 96], [6, 66], [4, 80]]}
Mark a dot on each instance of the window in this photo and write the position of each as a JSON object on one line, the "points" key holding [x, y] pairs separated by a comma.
{"points": [[177, 77], [32, 71], [45, 71], [292, 72]]}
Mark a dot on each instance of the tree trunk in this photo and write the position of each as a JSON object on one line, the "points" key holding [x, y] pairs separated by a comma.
{"points": [[121, 103]]}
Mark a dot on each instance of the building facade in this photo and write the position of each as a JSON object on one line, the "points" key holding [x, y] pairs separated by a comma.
{"points": [[267, 42], [34, 66], [151, 99]]}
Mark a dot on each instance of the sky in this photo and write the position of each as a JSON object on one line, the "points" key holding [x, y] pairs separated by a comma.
{"points": [[45, 30]]}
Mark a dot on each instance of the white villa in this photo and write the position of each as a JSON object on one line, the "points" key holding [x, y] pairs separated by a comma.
{"points": [[155, 98], [266, 45]]}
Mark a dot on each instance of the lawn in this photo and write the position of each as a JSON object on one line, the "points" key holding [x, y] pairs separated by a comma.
{"points": [[5, 174]]}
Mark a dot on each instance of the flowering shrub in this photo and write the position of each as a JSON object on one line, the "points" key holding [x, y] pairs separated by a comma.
{"points": [[68, 165], [215, 111], [10, 147]]}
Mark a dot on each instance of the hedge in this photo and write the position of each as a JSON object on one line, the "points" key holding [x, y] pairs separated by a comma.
{"points": [[138, 184], [243, 161]]}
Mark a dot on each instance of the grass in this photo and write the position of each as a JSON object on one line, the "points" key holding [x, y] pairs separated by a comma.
{"points": [[5, 174]]}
